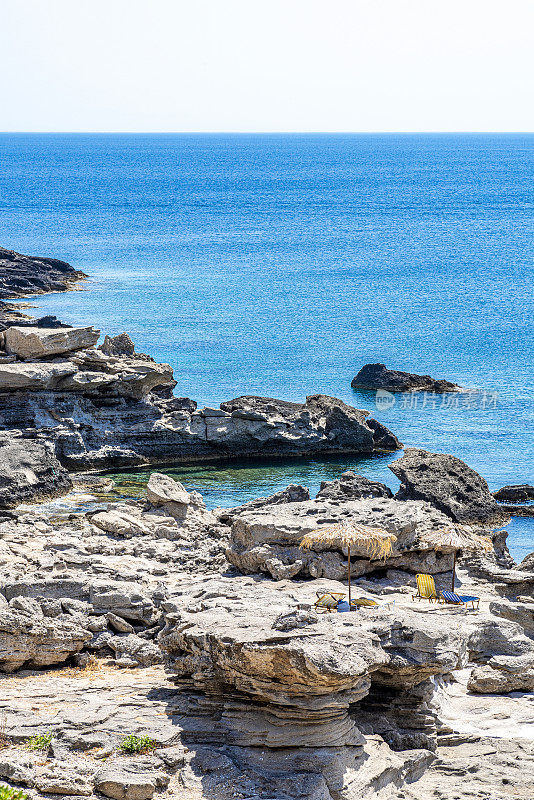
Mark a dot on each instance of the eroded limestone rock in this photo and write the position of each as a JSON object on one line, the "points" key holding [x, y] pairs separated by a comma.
{"points": [[37, 641], [267, 539]]}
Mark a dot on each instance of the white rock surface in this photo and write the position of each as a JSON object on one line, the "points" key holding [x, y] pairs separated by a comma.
{"points": [[28, 343]]}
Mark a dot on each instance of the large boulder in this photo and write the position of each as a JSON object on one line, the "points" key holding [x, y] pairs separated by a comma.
{"points": [[501, 680], [43, 377], [448, 484], [378, 376], [29, 471], [120, 345], [128, 779], [162, 489], [32, 343]]}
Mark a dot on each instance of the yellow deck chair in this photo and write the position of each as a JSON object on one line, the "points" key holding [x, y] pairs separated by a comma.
{"points": [[426, 588], [368, 602], [327, 601]]}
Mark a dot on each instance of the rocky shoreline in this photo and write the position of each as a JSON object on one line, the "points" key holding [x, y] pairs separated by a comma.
{"points": [[195, 629], [68, 405]]}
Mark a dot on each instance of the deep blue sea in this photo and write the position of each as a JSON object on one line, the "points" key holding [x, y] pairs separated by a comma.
{"points": [[280, 264]]}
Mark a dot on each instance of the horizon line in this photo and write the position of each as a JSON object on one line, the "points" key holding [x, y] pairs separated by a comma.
{"points": [[269, 133]]}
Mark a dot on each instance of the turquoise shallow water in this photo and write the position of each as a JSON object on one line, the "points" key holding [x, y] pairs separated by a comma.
{"points": [[279, 265]]}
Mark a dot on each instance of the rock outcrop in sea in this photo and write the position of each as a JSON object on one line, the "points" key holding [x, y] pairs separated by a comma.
{"points": [[518, 493], [378, 376], [22, 275]]}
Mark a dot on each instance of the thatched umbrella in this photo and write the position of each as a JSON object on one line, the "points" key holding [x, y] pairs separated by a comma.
{"points": [[458, 537], [376, 542]]}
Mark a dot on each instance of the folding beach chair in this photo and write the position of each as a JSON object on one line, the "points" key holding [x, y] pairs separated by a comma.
{"points": [[327, 601], [460, 599], [426, 588]]}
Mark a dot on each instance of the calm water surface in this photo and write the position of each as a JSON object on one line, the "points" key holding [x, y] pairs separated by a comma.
{"points": [[279, 265]]}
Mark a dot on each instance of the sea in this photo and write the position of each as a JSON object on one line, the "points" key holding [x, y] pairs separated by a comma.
{"points": [[279, 265]]}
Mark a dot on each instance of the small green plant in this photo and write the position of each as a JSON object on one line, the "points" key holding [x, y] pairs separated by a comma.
{"points": [[137, 744], [7, 793], [41, 742]]}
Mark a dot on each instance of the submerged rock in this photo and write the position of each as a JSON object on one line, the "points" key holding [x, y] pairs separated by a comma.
{"points": [[448, 484], [378, 376]]}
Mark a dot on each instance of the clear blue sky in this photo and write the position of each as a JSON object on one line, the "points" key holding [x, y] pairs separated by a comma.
{"points": [[267, 65]]}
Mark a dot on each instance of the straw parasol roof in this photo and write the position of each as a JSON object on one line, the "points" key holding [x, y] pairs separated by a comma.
{"points": [[457, 537], [374, 541]]}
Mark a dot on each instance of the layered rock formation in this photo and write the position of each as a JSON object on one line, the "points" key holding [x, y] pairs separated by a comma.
{"points": [[30, 344], [110, 406], [378, 376], [268, 698], [290, 683]]}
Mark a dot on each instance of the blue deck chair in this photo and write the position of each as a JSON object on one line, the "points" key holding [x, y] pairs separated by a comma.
{"points": [[460, 599]]}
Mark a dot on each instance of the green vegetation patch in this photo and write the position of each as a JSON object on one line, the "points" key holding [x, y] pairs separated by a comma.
{"points": [[137, 744], [7, 793], [41, 742]]}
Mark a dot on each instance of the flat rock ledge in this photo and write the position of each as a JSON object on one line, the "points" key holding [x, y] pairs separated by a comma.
{"points": [[378, 376]]}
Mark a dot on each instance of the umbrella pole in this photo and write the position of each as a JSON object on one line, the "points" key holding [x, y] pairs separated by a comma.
{"points": [[348, 552], [453, 569]]}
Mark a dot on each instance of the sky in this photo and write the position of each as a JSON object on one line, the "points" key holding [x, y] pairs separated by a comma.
{"points": [[267, 65]]}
